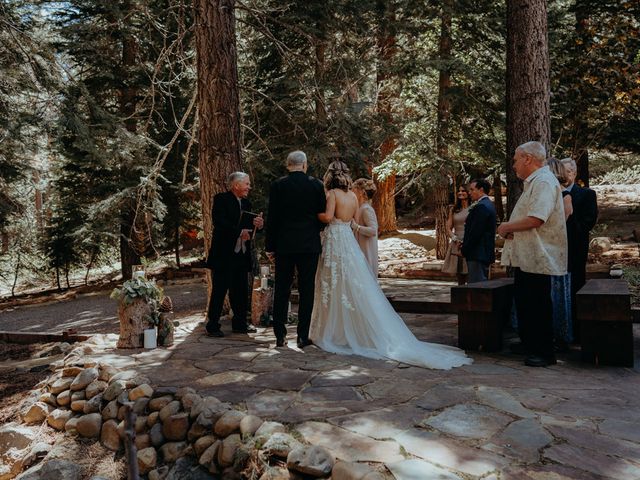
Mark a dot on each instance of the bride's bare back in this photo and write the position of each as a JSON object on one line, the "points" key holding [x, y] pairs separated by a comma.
{"points": [[341, 205]]}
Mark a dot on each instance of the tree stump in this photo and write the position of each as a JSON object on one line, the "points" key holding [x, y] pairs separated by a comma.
{"points": [[261, 304], [134, 319]]}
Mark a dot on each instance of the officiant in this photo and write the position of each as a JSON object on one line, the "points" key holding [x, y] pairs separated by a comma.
{"points": [[229, 258]]}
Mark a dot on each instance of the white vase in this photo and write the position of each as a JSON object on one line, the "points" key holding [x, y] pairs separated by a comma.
{"points": [[150, 338]]}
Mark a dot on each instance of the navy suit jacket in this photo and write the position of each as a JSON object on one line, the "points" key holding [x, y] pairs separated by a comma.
{"points": [[480, 233], [292, 219]]}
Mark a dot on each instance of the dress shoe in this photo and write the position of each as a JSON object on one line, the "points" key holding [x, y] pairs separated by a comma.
{"points": [[280, 342], [535, 361], [304, 343], [215, 333], [247, 329]]}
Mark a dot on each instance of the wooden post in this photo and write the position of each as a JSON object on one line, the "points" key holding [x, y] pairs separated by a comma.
{"points": [[131, 453]]}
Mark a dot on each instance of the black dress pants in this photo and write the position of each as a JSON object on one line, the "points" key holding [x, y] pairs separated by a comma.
{"points": [[532, 293], [233, 278], [306, 265]]}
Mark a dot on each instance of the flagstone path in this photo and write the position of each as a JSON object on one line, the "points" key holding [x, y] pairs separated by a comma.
{"points": [[495, 419]]}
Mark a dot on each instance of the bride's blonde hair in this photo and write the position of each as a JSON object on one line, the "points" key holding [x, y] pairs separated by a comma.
{"points": [[337, 176]]}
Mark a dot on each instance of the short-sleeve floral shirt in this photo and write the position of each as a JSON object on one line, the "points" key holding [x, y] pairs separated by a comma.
{"points": [[544, 249]]}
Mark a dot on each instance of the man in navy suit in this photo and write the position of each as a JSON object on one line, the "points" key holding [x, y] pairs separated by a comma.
{"points": [[579, 224], [230, 255], [293, 241], [478, 245]]}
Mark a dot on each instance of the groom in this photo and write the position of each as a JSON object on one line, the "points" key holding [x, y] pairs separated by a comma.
{"points": [[293, 241], [478, 245]]}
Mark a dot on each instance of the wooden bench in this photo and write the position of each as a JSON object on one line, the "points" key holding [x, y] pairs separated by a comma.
{"points": [[603, 308], [483, 309]]}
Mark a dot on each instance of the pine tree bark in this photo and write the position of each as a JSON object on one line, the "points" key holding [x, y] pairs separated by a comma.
{"points": [[444, 113], [384, 202], [128, 99], [580, 151], [527, 83], [219, 141]]}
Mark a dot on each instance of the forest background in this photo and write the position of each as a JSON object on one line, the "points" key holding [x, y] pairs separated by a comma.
{"points": [[100, 112]]}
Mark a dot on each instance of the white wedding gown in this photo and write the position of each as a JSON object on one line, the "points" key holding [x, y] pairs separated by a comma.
{"points": [[352, 316]]}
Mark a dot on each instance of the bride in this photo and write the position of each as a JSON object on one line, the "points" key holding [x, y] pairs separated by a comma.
{"points": [[351, 314]]}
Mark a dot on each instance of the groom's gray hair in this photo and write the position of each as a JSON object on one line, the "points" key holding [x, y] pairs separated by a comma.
{"points": [[296, 158]]}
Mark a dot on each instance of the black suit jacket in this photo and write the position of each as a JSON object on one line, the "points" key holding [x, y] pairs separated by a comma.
{"points": [[292, 221], [579, 224], [480, 233], [225, 215]]}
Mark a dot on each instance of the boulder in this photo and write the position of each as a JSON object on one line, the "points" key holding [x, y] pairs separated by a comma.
{"points": [[140, 391], [350, 471], [600, 245], [109, 436], [14, 441], [171, 451], [250, 424], [78, 396], [175, 427], [203, 443], [60, 385], [147, 460], [156, 436], [269, 428], [208, 458], [189, 400], [227, 450], [114, 389], [142, 441], [314, 460], [60, 469], [78, 405], [95, 387], [140, 405], [158, 403], [106, 371], [280, 444], [84, 378], [170, 409], [152, 419], [228, 423], [64, 398], [36, 453], [71, 426], [187, 468], [49, 398], [159, 473], [89, 425], [57, 418], [71, 372], [110, 411], [140, 424], [93, 405], [275, 473], [36, 413]]}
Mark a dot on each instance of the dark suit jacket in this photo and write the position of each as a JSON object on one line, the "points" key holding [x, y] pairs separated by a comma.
{"points": [[579, 224], [480, 233], [292, 221], [225, 215]]}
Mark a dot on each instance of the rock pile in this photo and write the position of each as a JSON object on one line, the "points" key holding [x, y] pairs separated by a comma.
{"points": [[175, 428]]}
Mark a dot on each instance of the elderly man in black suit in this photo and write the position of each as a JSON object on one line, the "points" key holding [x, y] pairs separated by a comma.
{"points": [[293, 242], [230, 255], [478, 245], [579, 224]]}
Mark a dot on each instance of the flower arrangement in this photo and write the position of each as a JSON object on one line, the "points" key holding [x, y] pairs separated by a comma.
{"points": [[143, 289]]}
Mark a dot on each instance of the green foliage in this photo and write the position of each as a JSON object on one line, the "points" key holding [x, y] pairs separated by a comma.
{"points": [[140, 288]]}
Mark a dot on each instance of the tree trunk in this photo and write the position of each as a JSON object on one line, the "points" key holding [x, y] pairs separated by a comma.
{"points": [[321, 111], [580, 152], [384, 202], [527, 83], [442, 140], [219, 142], [497, 196], [128, 100]]}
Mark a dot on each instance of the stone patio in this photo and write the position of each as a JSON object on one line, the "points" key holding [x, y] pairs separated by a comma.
{"points": [[495, 419]]}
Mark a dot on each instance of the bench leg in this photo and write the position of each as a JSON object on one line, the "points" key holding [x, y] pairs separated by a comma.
{"points": [[480, 331]]}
